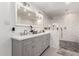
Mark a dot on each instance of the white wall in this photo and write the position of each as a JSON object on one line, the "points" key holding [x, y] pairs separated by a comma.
{"points": [[6, 22]]}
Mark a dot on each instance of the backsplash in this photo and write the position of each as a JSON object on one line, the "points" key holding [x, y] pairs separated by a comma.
{"points": [[20, 28]]}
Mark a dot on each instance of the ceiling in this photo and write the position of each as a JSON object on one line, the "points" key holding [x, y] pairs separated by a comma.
{"points": [[53, 9]]}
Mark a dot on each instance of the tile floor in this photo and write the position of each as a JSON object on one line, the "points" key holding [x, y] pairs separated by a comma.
{"points": [[51, 52], [66, 52], [59, 52]]}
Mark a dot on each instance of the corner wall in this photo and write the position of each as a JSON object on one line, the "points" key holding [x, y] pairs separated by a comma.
{"points": [[7, 17]]}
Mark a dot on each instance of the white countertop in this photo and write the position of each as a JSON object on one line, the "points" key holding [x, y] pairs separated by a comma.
{"points": [[18, 37]]}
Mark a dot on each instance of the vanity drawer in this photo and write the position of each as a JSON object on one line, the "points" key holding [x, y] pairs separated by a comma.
{"points": [[27, 50]]}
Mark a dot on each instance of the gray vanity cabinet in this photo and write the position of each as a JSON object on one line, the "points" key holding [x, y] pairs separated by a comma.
{"points": [[16, 48], [37, 46], [30, 47], [45, 42], [27, 49]]}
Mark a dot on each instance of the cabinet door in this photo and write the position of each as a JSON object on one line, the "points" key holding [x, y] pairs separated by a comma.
{"points": [[27, 50], [27, 47], [16, 48], [36, 45], [43, 46], [45, 42], [48, 40]]}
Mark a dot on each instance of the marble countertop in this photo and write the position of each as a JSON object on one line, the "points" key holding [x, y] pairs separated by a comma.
{"points": [[19, 37]]}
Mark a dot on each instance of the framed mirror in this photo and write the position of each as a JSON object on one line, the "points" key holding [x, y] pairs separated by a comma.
{"points": [[25, 15]]}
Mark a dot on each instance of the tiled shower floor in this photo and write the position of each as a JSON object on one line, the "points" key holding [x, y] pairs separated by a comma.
{"points": [[59, 52]]}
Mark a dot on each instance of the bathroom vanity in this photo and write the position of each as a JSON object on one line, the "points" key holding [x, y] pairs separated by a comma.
{"points": [[30, 45], [33, 44]]}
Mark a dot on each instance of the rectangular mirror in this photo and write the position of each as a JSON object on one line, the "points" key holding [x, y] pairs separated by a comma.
{"points": [[26, 15]]}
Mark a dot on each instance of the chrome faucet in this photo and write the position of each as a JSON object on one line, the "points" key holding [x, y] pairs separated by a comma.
{"points": [[24, 33]]}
